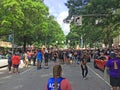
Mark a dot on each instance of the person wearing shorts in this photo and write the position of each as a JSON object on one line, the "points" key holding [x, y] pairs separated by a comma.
{"points": [[39, 59], [113, 69], [15, 63], [26, 61]]}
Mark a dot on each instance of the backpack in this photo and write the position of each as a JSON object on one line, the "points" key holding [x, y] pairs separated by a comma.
{"points": [[52, 81]]}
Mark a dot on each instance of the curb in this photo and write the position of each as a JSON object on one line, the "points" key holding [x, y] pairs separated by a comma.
{"points": [[3, 66]]}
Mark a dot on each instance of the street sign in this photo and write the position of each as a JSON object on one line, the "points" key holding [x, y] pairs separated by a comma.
{"points": [[10, 38], [78, 20]]}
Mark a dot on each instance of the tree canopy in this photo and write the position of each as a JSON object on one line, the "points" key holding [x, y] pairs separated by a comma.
{"points": [[29, 21], [100, 20]]}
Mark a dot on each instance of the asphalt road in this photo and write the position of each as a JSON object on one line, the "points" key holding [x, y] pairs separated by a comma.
{"points": [[33, 79]]}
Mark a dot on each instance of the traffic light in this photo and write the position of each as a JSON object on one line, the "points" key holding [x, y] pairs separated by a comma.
{"points": [[78, 20]]}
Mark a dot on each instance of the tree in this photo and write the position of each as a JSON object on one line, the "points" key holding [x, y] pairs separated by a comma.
{"points": [[101, 10], [29, 22], [54, 31], [11, 16]]}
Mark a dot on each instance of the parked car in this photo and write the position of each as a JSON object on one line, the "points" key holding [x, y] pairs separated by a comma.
{"points": [[100, 62], [3, 57]]}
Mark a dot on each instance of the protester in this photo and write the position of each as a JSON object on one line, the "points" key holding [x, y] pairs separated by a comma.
{"points": [[84, 67], [113, 68], [39, 59], [75, 54], [46, 57], [57, 82], [29, 53], [55, 55], [26, 61], [15, 63], [67, 58], [34, 58], [61, 57], [9, 61]]}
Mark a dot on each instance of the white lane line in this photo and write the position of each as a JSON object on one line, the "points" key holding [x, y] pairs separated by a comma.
{"points": [[7, 77], [99, 76], [17, 87], [26, 70], [46, 75]]}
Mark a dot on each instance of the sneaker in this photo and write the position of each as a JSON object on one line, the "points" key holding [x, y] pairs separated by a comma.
{"points": [[85, 78], [46, 67]]}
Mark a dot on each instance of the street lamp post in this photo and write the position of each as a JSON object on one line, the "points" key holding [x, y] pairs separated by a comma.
{"points": [[81, 42], [11, 39]]}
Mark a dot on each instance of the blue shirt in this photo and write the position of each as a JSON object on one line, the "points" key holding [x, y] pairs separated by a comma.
{"points": [[51, 81], [39, 56]]}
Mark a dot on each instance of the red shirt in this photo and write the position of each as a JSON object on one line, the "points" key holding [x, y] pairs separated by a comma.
{"points": [[15, 59]]}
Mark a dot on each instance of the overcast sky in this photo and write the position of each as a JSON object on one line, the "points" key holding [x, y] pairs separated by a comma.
{"points": [[60, 11]]}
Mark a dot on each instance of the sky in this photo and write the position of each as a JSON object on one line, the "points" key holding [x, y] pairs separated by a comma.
{"points": [[59, 11]]}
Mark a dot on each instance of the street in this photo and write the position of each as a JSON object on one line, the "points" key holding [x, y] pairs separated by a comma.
{"points": [[72, 33], [33, 79]]}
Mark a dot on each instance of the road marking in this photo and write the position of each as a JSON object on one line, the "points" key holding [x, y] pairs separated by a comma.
{"points": [[99, 76], [17, 87], [26, 71], [7, 77], [46, 75]]}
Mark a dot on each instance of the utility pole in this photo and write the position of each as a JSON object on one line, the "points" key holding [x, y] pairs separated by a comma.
{"points": [[11, 39]]}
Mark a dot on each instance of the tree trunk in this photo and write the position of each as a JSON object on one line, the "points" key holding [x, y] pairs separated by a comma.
{"points": [[24, 44], [110, 42]]}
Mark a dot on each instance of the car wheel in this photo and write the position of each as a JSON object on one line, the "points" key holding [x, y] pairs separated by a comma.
{"points": [[95, 66]]}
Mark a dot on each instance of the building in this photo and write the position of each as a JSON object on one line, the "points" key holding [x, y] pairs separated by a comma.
{"points": [[116, 41], [5, 44]]}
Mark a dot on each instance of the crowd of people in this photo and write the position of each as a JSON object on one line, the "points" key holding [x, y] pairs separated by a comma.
{"points": [[42, 56]]}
